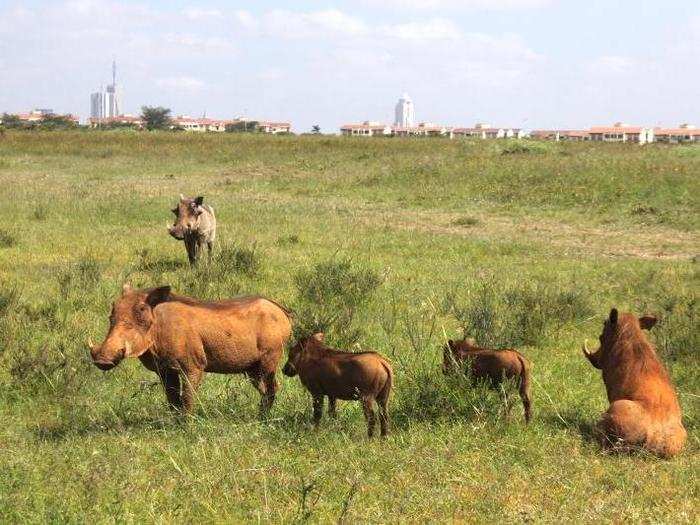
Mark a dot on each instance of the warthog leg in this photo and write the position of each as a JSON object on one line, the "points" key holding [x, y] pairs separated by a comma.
{"points": [[190, 382], [332, 407], [266, 384], [171, 385], [318, 409], [367, 406], [383, 415]]}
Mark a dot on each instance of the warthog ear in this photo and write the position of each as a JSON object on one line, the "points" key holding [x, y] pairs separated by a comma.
{"points": [[647, 322], [319, 336], [613, 316], [126, 288], [199, 200], [182, 198], [158, 295]]}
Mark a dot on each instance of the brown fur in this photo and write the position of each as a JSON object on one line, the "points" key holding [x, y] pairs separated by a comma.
{"points": [[493, 365], [644, 411], [181, 338], [364, 376]]}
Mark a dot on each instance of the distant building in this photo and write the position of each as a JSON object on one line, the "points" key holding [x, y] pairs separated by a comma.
{"points": [[405, 114], [620, 132], [37, 115], [107, 103], [683, 133], [97, 105], [424, 129], [557, 135], [274, 127], [120, 120], [366, 129]]}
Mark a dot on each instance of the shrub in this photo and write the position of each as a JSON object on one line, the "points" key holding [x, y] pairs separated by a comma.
{"points": [[677, 333], [79, 275], [330, 295], [499, 314], [517, 147], [466, 221], [7, 239]]}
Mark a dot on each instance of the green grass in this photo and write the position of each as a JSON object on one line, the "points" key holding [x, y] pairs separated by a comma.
{"points": [[526, 245]]}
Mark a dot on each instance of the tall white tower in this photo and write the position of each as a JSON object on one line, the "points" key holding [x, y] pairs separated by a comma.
{"points": [[405, 114]]}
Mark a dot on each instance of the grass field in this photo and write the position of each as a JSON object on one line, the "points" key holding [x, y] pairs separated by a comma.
{"points": [[415, 240]]}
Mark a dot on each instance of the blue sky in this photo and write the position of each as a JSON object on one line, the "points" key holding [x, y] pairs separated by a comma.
{"points": [[527, 63]]}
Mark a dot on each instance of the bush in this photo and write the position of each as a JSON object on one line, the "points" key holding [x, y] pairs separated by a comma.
{"points": [[330, 295], [499, 314], [677, 333], [518, 147], [79, 276], [7, 239]]}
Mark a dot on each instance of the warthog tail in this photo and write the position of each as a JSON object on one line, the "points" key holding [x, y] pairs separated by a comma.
{"points": [[524, 389], [386, 391], [288, 312]]}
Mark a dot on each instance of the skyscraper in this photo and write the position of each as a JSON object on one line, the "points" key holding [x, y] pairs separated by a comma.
{"points": [[106, 103], [405, 114], [97, 105]]}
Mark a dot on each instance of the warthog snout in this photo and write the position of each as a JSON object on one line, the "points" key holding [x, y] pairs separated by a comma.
{"points": [[176, 232], [106, 360]]}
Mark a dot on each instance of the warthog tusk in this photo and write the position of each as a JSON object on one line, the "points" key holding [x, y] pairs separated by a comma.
{"points": [[91, 345], [586, 352], [127, 347]]}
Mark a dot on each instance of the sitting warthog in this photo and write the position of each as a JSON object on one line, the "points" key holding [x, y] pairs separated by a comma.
{"points": [[364, 376], [180, 338], [492, 365], [195, 224], [644, 412]]}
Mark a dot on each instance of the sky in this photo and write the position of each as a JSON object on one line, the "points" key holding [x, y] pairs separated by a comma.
{"points": [[525, 63]]}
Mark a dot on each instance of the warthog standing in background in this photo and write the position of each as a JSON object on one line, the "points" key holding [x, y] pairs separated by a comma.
{"points": [[644, 410], [493, 365], [364, 376], [195, 224], [181, 338]]}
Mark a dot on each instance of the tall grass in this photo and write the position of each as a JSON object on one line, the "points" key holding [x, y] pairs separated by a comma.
{"points": [[373, 242]]}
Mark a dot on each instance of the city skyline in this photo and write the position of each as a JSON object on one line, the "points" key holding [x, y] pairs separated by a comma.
{"points": [[525, 63]]}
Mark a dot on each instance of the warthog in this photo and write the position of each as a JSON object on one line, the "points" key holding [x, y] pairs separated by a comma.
{"points": [[644, 412], [181, 338], [195, 223], [364, 376], [492, 365]]}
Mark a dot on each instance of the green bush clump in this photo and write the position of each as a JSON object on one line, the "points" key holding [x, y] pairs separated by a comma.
{"points": [[330, 295], [504, 314]]}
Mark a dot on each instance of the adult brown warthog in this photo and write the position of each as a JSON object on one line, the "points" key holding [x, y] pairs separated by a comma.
{"points": [[644, 412], [324, 371], [180, 338], [493, 365]]}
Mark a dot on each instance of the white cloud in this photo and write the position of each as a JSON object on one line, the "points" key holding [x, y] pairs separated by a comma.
{"points": [[199, 44], [475, 5], [198, 14], [612, 64], [435, 29], [181, 83], [246, 20], [288, 24]]}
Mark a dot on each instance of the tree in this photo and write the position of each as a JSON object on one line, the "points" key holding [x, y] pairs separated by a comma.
{"points": [[242, 126], [316, 129], [52, 121], [11, 121], [155, 117]]}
